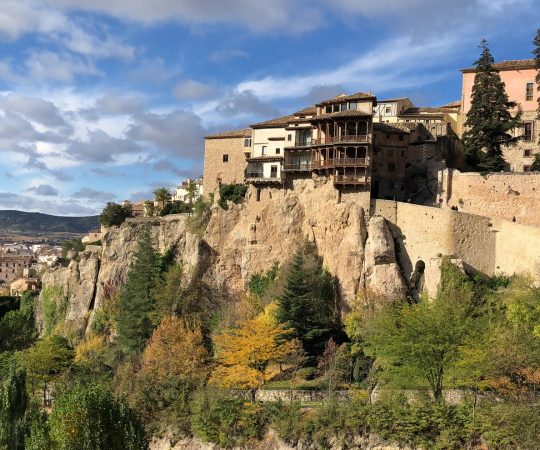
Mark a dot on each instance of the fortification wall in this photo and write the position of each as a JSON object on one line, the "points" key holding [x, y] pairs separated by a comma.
{"points": [[491, 246], [498, 195]]}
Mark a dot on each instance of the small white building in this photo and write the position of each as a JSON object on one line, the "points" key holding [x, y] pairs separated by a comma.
{"points": [[181, 194]]}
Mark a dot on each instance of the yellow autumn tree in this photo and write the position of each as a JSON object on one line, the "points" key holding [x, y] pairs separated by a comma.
{"points": [[244, 353]]}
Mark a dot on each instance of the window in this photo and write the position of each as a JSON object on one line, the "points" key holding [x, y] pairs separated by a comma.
{"points": [[278, 151], [225, 158], [527, 135], [273, 171], [391, 167], [402, 153], [400, 137], [527, 153], [258, 195], [289, 137], [529, 91], [387, 136], [526, 168], [352, 106], [344, 106], [387, 110], [390, 152], [247, 142], [264, 149], [328, 109]]}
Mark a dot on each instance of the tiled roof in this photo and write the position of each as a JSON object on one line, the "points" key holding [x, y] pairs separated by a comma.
{"points": [[513, 64], [244, 132], [455, 104], [388, 100], [339, 114], [278, 122], [346, 98], [428, 110], [391, 127], [309, 111]]}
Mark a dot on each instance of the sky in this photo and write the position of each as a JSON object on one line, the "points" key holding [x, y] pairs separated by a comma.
{"points": [[106, 100]]}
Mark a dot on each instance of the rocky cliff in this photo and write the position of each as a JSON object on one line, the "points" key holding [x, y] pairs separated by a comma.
{"points": [[358, 250]]}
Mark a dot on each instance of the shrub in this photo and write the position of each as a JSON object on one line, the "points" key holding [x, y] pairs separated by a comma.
{"points": [[55, 306], [231, 192], [114, 214], [225, 420], [198, 222]]}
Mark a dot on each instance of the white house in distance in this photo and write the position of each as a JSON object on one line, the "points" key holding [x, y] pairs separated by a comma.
{"points": [[181, 194]]}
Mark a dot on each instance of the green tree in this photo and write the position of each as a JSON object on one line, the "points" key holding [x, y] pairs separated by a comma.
{"points": [[162, 196], [489, 121], [114, 214], [191, 190], [307, 302], [17, 330], [535, 166], [137, 304], [47, 360], [88, 417], [13, 405]]}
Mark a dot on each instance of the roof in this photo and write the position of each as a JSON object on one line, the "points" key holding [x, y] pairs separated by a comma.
{"points": [[388, 100], [309, 111], [512, 64], [428, 110], [346, 98], [243, 132], [454, 104], [391, 127], [278, 122], [337, 115]]}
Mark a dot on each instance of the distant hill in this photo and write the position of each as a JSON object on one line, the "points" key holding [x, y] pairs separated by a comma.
{"points": [[12, 221]]}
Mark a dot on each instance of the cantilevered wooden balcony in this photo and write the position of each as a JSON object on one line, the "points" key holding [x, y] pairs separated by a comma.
{"points": [[260, 178], [351, 179], [342, 138], [339, 162]]}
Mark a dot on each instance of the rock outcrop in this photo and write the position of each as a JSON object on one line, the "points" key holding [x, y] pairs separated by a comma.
{"points": [[245, 239]]}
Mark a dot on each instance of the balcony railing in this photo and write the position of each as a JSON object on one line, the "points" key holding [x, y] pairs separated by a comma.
{"points": [[350, 179], [327, 140], [254, 175], [298, 167], [258, 177], [340, 162]]}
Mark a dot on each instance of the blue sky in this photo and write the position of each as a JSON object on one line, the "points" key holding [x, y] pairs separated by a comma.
{"points": [[105, 100]]}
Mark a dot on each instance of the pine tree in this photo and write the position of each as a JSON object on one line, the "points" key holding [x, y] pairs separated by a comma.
{"points": [[489, 121], [307, 302], [136, 301]]}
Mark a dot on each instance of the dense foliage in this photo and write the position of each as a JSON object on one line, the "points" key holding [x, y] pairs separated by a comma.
{"points": [[68, 245], [114, 214], [231, 193]]}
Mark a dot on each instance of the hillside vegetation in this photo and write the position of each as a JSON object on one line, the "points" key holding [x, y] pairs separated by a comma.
{"points": [[12, 221]]}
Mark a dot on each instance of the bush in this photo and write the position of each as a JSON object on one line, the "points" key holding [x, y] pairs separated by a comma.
{"points": [[225, 420], [174, 207], [55, 306], [198, 222], [307, 373], [231, 192], [71, 244]]}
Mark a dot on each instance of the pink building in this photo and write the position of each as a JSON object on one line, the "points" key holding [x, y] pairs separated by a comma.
{"points": [[519, 78]]}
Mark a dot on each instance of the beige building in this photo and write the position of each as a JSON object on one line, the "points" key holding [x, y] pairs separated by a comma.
{"points": [[225, 159], [22, 285], [519, 79], [265, 163], [181, 192], [13, 265], [388, 110]]}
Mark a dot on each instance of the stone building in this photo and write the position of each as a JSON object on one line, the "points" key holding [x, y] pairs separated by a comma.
{"points": [[13, 265], [519, 79], [388, 110], [225, 159]]}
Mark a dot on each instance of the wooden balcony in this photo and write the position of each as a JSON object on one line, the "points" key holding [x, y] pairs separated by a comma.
{"points": [[330, 140], [340, 162], [259, 178], [351, 179], [297, 167]]}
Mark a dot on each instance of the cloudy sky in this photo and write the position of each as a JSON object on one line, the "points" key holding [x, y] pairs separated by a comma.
{"points": [[105, 100]]}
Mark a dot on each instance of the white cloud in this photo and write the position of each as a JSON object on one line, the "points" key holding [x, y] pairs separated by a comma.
{"points": [[222, 56], [193, 90], [47, 65]]}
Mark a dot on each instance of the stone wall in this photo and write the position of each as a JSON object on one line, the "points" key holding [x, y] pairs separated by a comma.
{"points": [[498, 195], [216, 170], [489, 245]]}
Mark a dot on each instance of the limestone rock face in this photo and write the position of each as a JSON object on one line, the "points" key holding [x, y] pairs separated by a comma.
{"points": [[78, 281], [381, 271], [251, 237], [245, 239]]}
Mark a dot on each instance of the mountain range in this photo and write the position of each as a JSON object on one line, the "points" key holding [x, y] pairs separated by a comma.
{"points": [[12, 221]]}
